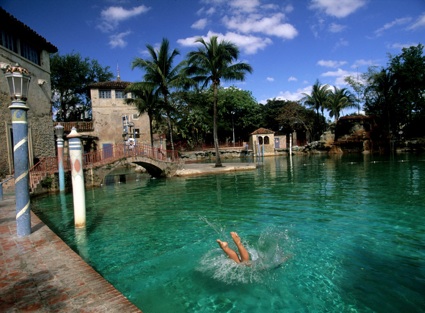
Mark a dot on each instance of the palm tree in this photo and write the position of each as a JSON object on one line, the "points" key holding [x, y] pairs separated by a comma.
{"points": [[339, 99], [160, 72], [146, 100], [318, 97], [211, 63], [317, 100]]}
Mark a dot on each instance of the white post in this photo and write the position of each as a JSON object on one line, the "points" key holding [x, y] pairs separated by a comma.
{"points": [[290, 144], [78, 191]]}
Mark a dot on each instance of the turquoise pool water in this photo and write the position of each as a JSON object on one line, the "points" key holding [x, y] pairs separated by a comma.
{"points": [[351, 227]]}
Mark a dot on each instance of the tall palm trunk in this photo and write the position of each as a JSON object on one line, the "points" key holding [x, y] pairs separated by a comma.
{"points": [[217, 151], [169, 124], [170, 130]]}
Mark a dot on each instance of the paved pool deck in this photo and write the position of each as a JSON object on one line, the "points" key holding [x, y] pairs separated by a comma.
{"points": [[40, 273]]}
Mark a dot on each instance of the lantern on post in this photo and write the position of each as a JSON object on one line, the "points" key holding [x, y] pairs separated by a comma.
{"points": [[18, 79]]}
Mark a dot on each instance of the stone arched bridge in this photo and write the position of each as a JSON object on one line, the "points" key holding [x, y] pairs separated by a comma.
{"points": [[157, 162], [95, 174], [98, 164]]}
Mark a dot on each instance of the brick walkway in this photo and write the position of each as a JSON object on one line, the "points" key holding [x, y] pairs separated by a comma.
{"points": [[40, 273]]}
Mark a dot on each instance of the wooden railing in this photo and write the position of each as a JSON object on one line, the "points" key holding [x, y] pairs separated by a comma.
{"points": [[104, 156], [49, 165], [80, 126]]}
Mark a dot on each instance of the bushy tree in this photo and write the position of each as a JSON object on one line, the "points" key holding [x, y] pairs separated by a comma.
{"points": [[70, 76], [395, 95], [236, 110]]}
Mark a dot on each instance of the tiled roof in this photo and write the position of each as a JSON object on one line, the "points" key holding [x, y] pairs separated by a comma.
{"points": [[20, 29], [355, 117], [115, 84], [262, 131]]}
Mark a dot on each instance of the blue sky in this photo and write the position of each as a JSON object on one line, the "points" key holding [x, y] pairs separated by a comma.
{"points": [[290, 44]]}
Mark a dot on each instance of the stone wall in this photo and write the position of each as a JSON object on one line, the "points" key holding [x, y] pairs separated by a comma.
{"points": [[41, 133]]}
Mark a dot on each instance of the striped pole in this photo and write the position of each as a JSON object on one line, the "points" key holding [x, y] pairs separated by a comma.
{"points": [[60, 165], [78, 192], [59, 140], [19, 110]]}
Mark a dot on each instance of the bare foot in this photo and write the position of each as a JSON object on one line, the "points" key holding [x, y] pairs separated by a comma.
{"points": [[223, 245], [236, 238]]}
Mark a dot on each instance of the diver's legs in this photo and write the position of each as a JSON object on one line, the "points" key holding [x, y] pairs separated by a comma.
{"points": [[231, 254], [242, 251]]}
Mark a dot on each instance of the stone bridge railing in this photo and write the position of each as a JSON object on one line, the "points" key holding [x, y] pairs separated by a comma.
{"points": [[102, 157]]}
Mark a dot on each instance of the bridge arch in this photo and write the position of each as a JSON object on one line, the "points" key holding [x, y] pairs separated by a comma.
{"points": [[95, 175]]}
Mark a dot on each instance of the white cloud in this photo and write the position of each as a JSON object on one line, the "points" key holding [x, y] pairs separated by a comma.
{"points": [[118, 40], [420, 22], [270, 79], [255, 23], [331, 63], [363, 62], [245, 5], [337, 8], [396, 22], [399, 46], [293, 96], [341, 43], [112, 16], [336, 28], [200, 24], [249, 44], [339, 75], [289, 8], [292, 79]]}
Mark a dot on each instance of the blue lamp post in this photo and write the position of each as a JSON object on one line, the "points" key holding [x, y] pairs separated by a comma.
{"points": [[18, 79], [59, 130]]}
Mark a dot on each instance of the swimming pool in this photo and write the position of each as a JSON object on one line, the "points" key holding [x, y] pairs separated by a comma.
{"points": [[352, 227]]}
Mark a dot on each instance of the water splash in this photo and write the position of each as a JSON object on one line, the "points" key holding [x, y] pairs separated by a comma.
{"points": [[268, 254], [220, 230]]}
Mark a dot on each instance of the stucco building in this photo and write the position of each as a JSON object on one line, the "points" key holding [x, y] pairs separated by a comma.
{"points": [[114, 121], [262, 142], [20, 44]]}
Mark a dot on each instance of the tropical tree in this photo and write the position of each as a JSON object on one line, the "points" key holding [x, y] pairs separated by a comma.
{"points": [[408, 70], [292, 116], [160, 72], [358, 85], [339, 99], [317, 100], [146, 100], [212, 62], [380, 100], [70, 76]]}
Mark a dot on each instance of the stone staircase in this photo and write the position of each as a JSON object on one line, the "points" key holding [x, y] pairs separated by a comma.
{"points": [[8, 183], [35, 180]]}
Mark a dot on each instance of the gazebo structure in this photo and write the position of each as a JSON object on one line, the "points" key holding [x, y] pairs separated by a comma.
{"points": [[261, 142]]}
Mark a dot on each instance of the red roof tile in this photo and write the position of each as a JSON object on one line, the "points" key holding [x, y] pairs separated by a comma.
{"points": [[14, 26]]}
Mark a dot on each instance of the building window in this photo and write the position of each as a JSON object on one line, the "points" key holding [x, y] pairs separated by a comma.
{"points": [[136, 133], [260, 140], [8, 41], [135, 116], [119, 94], [266, 140], [20, 47], [104, 94], [30, 53]]}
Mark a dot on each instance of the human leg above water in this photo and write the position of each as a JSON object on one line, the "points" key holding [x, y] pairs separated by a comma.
{"points": [[242, 251], [244, 255]]}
